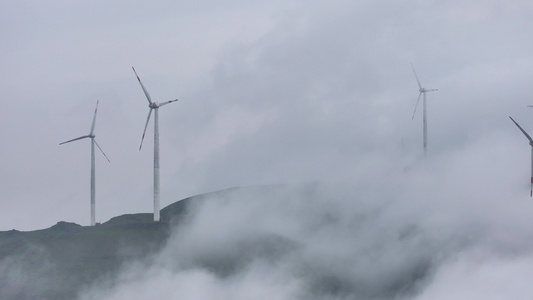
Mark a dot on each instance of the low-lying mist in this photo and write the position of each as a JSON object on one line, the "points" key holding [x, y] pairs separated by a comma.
{"points": [[454, 225], [446, 229]]}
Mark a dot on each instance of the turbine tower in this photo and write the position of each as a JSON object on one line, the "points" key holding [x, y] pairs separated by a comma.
{"points": [[422, 91], [93, 177], [531, 144], [154, 106]]}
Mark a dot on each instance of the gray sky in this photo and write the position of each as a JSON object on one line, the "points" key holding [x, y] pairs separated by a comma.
{"points": [[270, 92]]}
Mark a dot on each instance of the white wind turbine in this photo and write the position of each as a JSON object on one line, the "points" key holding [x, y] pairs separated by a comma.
{"points": [[93, 178], [531, 144], [422, 91], [153, 106]]}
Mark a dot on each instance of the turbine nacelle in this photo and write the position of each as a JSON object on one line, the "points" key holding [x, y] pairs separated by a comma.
{"points": [[155, 104]]}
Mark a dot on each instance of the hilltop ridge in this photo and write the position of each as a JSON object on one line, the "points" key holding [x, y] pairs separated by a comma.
{"points": [[77, 255]]}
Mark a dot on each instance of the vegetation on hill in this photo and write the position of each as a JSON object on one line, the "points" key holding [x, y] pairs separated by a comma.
{"points": [[55, 263]]}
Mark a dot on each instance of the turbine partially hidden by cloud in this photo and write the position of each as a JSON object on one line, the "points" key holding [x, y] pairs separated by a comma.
{"points": [[422, 91]]}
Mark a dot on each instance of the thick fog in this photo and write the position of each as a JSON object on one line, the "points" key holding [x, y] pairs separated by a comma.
{"points": [[435, 232]]}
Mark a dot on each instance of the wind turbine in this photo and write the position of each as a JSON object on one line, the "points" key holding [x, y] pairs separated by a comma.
{"points": [[531, 144], [422, 91], [93, 178], [154, 106]]}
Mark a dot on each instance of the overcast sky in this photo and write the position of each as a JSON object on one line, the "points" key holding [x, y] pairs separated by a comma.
{"points": [[270, 92]]}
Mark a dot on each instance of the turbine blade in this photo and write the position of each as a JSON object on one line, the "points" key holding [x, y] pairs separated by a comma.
{"points": [[418, 81], [168, 102], [94, 118], [417, 100], [145, 126], [523, 131], [79, 138], [142, 86], [102, 151]]}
